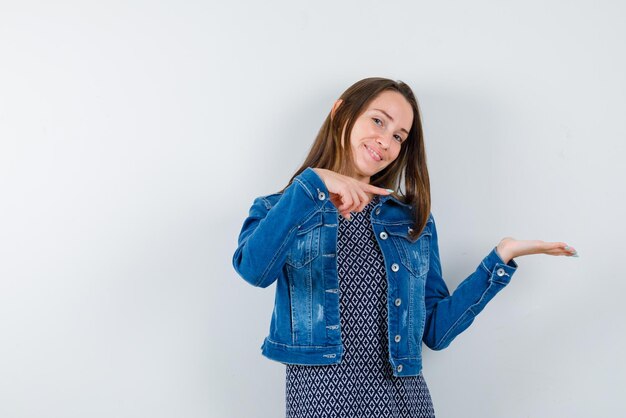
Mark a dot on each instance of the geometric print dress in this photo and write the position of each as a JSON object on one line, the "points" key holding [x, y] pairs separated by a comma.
{"points": [[363, 384]]}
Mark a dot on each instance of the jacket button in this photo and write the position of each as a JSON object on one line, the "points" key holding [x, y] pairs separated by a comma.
{"points": [[500, 272], [397, 339], [398, 302], [377, 211], [321, 195], [383, 235], [399, 368], [395, 267]]}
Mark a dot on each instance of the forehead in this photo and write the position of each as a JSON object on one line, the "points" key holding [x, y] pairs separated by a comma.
{"points": [[395, 105]]}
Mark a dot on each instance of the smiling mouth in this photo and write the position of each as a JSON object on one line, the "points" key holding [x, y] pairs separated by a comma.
{"points": [[376, 156]]}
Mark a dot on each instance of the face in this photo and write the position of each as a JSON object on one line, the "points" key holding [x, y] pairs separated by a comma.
{"points": [[379, 132]]}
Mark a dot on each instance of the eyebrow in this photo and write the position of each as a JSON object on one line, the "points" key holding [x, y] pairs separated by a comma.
{"points": [[389, 116]]}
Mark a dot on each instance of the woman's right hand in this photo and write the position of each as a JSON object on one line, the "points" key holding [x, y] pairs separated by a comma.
{"points": [[348, 194]]}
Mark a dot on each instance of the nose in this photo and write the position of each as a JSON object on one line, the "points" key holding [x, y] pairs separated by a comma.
{"points": [[384, 143]]}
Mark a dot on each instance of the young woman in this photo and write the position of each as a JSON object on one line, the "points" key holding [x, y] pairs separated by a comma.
{"points": [[352, 247]]}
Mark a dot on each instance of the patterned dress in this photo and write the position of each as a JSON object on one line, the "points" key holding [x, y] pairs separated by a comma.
{"points": [[362, 385]]}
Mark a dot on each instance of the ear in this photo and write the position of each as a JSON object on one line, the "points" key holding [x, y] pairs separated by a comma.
{"points": [[338, 103]]}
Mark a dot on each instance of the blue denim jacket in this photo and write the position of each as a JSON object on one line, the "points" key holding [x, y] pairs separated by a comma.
{"points": [[291, 238]]}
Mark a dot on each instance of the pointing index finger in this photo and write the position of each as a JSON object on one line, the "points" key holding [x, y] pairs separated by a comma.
{"points": [[378, 190]]}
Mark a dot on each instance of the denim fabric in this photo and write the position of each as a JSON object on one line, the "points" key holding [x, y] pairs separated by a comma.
{"points": [[291, 238]]}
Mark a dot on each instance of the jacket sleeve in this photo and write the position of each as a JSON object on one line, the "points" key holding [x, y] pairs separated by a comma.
{"points": [[449, 315], [269, 230]]}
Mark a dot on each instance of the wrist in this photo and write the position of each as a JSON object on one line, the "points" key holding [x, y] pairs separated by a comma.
{"points": [[318, 171], [504, 251]]}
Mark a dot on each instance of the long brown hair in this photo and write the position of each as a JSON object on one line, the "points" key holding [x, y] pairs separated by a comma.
{"points": [[409, 167]]}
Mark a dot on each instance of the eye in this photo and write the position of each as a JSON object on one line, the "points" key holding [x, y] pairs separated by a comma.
{"points": [[380, 123]]}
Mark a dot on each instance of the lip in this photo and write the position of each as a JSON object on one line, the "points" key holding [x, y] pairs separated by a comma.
{"points": [[369, 150]]}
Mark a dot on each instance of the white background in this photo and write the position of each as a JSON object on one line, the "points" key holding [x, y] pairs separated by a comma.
{"points": [[134, 136]]}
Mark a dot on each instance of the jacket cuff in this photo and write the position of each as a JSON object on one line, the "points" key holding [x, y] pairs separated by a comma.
{"points": [[498, 270], [313, 184]]}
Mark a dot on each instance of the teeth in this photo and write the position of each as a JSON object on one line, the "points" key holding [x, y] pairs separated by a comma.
{"points": [[374, 152]]}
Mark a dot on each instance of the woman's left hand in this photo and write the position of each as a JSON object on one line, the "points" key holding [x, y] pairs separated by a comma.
{"points": [[509, 248]]}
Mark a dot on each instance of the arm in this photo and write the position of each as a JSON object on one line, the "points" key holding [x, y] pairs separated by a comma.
{"points": [[449, 315], [268, 231]]}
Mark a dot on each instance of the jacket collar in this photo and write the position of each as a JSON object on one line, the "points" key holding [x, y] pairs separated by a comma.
{"points": [[393, 199]]}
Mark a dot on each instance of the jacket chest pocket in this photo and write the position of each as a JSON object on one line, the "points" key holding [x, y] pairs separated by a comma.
{"points": [[306, 245], [414, 253]]}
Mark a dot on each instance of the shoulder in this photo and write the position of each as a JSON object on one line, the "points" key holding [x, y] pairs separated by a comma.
{"points": [[307, 181], [266, 202]]}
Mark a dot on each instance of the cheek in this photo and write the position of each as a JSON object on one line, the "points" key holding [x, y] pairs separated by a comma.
{"points": [[362, 129], [396, 151], [356, 137]]}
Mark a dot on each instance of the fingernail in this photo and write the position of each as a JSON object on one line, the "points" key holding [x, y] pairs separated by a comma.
{"points": [[567, 247], [389, 190], [575, 255]]}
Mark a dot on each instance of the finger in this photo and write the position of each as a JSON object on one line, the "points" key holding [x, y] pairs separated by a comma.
{"points": [[335, 199], [561, 248], [377, 190], [571, 251], [567, 247], [346, 201], [565, 253], [365, 199], [356, 200]]}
